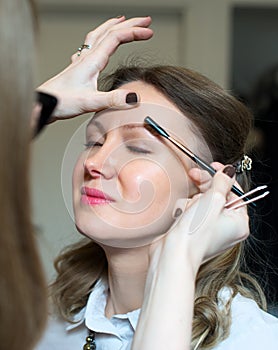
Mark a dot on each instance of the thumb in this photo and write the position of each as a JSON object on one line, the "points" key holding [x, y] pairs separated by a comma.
{"points": [[120, 99], [223, 180]]}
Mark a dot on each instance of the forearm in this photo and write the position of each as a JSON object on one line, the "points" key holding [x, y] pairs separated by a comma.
{"points": [[167, 312]]}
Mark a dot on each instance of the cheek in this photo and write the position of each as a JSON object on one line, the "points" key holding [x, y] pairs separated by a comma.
{"points": [[150, 187], [142, 180]]}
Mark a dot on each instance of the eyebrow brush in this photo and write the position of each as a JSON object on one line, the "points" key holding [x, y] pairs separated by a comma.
{"points": [[193, 156]]}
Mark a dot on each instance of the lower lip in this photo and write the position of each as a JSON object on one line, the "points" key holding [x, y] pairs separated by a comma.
{"points": [[94, 200]]}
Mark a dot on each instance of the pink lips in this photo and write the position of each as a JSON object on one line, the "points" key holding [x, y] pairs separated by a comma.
{"points": [[92, 196]]}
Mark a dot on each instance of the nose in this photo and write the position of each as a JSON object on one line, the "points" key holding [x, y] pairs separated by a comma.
{"points": [[98, 163]]}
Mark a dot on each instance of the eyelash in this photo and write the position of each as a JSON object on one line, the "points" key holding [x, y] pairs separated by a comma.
{"points": [[135, 149], [91, 144], [132, 149]]}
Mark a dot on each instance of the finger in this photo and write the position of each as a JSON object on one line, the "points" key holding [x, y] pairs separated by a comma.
{"points": [[201, 178], [120, 99], [133, 22], [222, 183], [217, 166], [124, 35], [102, 29], [96, 36], [93, 37], [214, 199], [109, 44]]}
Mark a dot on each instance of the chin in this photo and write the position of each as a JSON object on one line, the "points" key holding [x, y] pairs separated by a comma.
{"points": [[122, 237]]}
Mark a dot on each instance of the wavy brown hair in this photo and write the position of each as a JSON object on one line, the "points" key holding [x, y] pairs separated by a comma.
{"points": [[22, 288], [224, 122]]}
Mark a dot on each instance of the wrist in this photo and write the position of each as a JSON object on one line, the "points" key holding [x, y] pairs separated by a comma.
{"points": [[179, 251]]}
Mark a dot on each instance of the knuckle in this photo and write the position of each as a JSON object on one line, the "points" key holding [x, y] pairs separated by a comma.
{"points": [[73, 57], [111, 100], [89, 36], [111, 20], [114, 34]]}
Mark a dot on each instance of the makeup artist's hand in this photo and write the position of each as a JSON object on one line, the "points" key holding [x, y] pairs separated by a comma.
{"points": [[76, 87], [206, 228], [212, 227]]}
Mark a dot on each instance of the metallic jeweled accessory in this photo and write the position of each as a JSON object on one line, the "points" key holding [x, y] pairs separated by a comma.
{"points": [[90, 341], [82, 47], [245, 164]]}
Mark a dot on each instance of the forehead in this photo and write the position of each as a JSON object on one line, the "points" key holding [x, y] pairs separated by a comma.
{"points": [[155, 105], [152, 103]]}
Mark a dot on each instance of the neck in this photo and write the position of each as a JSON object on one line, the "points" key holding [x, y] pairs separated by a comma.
{"points": [[127, 271]]}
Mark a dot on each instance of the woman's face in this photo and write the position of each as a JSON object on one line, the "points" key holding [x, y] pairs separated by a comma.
{"points": [[127, 180]]}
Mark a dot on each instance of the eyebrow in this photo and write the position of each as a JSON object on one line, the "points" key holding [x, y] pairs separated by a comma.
{"points": [[133, 126], [126, 126]]}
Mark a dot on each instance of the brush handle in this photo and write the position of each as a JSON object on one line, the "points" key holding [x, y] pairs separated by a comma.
{"points": [[204, 166], [193, 156], [212, 171]]}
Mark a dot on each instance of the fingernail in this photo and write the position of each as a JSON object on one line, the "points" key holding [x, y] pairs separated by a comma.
{"points": [[131, 98], [229, 170], [178, 213], [119, 16]]}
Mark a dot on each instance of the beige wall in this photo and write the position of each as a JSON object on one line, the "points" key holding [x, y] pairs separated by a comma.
{"points": [[194, 33]]}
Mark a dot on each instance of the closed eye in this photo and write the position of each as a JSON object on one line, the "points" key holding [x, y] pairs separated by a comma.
{"points": [[92, 144], [135, 149]]}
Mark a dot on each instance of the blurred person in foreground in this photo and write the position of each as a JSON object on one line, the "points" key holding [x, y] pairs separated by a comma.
{"points": [[23, 309]]}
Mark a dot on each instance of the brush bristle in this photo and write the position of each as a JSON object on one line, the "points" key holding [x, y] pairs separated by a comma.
{"points": [[158, 129]]}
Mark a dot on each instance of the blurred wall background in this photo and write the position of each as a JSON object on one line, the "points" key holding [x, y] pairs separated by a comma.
{"points": [[230, 41]]}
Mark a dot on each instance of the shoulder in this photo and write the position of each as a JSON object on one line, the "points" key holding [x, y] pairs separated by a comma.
{"points": [[251, 327]]}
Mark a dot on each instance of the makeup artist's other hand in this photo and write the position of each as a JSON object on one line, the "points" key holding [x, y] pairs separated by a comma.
{"points": [[76, 87], [206, 228]]}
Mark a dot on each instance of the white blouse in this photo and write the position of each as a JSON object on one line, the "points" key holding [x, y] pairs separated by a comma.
{"points": [[251, 328]]}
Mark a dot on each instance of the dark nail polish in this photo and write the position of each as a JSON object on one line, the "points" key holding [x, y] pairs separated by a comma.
{"points": [[131, 98], [229, 170], [178, 212]]}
